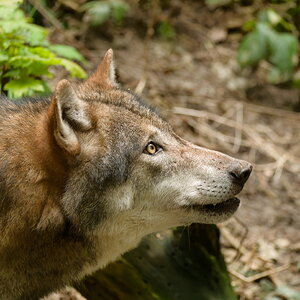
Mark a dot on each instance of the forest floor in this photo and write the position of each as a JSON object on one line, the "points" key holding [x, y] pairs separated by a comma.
{"points": [[195, 81]]}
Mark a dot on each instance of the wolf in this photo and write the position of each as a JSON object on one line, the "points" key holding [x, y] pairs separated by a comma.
{"points": [[85, 174]]}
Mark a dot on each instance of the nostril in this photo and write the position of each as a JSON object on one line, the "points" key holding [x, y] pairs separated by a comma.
{"points": [[240, 174], [246, 173], [234, 175]]}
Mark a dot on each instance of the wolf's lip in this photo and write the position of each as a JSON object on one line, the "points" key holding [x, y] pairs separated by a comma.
{"points": [[230, 205]]}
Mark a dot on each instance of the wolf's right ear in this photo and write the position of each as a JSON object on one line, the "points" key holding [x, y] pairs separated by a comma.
{"points": [[70, 116]]}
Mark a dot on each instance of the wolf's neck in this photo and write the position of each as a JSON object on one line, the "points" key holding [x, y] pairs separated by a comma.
{"points": [[122, 233], [34, 173]]}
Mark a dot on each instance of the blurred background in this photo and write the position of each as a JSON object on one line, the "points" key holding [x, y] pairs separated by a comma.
{"points": [[225, 73]]}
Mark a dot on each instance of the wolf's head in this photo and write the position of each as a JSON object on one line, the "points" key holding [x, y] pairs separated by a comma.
{"points": [[126, 163]]}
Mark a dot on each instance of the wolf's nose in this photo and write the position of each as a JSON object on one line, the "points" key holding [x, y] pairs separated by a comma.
{"points": [[240, 172]]}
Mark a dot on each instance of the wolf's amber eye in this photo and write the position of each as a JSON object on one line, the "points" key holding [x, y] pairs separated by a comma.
{"points": [[151, 149]]}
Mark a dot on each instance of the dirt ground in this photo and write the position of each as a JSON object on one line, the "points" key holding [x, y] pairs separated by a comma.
{"points": [[195, 81]]}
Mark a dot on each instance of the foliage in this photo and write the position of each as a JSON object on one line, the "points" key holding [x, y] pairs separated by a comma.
{"points": [[166, 30], [265, 42], [98, 12], [215, 3], [26, 55]]}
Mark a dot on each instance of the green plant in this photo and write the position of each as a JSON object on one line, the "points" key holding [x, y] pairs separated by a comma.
{"points": [[166, 30], [266, 41], [26, 55], [98, 12], [216, 3]]}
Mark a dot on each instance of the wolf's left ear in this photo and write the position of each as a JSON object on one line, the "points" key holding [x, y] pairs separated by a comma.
{"points": [[70, 117], [104, 76]]}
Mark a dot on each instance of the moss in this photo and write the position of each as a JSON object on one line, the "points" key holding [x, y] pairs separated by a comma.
{"points": [[180, 264]]}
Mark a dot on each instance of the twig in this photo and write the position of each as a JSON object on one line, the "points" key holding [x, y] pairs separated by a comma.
{"points": [[238, 252], [238, 131], [255, 277], [278, 171], [248, 106], [140, 86], [268, 166], [268, 148], [274, 137], [233, 241]]}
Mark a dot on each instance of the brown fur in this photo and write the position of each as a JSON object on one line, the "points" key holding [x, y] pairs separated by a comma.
{"points": [[77, 189]]}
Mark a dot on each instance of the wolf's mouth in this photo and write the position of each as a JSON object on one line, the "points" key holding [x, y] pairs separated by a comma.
{"points": [[228, 206]]}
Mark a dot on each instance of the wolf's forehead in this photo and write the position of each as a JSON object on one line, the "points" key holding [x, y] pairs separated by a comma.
{"points": [[122, 99]]}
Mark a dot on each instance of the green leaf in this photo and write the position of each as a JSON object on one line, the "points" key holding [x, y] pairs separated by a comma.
{"points": [[266, 31], [249, 25], [269, 16], [266, 285], [252, 49], [11, 2], [31, 33], [98, 12], [27, 61], [284, 53], [10, 12], [15, 73], [26, 54], [38, 51], [3, 57], [34, 34], [26, 86], [119, 8], [39, 68], [67, 52], [280, 49], [74, 69], [276, 76], [10, 43], [216, 3], [166, 30]]}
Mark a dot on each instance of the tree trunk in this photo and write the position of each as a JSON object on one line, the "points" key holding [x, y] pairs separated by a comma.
{"points": [[182, 264]]}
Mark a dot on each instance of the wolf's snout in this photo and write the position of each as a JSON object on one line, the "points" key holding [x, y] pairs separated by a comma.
{"points": [[240, 172]]}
